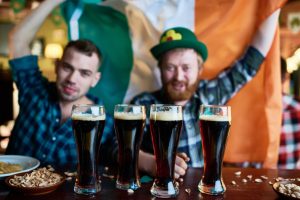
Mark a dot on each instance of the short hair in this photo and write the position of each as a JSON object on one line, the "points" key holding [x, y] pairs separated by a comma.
{"points": [[84, 46], [283, 68]]}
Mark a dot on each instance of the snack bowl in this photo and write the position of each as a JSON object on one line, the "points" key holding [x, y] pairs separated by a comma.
{"points": [[27, 164], [284, 193], [33, 190]]}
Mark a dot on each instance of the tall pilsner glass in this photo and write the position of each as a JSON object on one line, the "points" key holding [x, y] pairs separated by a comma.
{"points": [[215, 122], [165, 127], [129, 128], [88, 123]]}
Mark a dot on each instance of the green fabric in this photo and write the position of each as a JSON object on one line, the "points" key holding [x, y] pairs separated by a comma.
{"points": [[91, 1], [109, 30], [179, 37], [56, 17], [17, 5]]}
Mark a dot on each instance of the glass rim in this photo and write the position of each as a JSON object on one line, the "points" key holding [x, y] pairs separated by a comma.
{"points": [[225, 115], [88, 109], [214, 106], [128, 105], [87, 105], [169, 105]]}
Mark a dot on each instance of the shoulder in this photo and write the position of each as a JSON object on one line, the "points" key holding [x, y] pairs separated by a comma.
{"points": [[94, 99]]}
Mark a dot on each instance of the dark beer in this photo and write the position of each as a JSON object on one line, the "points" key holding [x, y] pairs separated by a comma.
{"points": [[88, 132], [165, 132], [129, 130], [214, 131]]}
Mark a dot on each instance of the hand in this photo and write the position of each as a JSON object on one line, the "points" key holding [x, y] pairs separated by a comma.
{"points": [[147, 163], [180, 165], [24, 32]]}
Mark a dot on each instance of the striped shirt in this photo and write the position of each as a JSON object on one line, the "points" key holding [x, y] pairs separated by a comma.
{"points": [[37, 131], [216, 91]]}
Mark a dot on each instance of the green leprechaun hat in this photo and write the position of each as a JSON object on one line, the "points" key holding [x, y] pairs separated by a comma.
{"points": [[179, 37]]}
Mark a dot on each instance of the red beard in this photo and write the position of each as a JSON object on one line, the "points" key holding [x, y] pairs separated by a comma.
{"points": [[174, 95]]}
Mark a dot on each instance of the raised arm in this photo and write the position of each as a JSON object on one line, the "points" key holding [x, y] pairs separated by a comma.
{"points": [[220, 89], [264, 36], [24, 32]]}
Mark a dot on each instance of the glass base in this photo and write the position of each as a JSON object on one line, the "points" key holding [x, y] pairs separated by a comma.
{"points": [[134, 185], [87, 190], [212, 189], [164, 192]]}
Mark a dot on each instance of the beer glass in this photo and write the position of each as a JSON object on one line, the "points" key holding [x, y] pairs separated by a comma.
{"points": [[88, 123], [165, 127], [214, 122], [129, 128]]}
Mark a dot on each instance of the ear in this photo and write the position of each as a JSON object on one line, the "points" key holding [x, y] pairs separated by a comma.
{"points": [[200, 69], [96, 79]]}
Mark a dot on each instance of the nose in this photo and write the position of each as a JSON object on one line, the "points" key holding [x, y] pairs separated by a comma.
{"points": [[72, 77], [179, 74]]}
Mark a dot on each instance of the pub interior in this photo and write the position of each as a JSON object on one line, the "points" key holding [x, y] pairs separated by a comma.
{"points": [[52, 37]]}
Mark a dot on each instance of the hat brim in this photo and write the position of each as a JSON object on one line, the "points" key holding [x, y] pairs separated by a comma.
{"points": [[162, 48]]}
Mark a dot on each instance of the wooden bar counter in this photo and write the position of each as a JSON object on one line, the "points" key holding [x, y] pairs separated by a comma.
{"points": [[239, 191]]}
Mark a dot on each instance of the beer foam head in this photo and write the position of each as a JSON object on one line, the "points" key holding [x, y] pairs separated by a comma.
{"points": [[129, 116], [87, 117], [215, 118], [166, 116]]}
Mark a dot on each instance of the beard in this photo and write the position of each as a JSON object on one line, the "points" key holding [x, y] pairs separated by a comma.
{"points": [[174, 95]]}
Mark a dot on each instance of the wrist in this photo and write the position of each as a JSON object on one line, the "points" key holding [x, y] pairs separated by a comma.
{"points": [[147, 163]]}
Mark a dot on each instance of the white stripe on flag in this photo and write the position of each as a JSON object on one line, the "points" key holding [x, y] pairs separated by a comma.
{"points": [[147, 19], [74, 27]]}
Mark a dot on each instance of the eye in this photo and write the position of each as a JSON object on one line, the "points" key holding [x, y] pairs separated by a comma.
{"points": [[186, 68], [169, 68], [66, 67], [85, 73]]}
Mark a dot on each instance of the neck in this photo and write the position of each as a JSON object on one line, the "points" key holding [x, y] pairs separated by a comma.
{"points": [[66, 107], [82, 100]]}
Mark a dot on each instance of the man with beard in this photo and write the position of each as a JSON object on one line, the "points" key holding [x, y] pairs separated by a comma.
{"points": [[43, 128], [180, 59]]}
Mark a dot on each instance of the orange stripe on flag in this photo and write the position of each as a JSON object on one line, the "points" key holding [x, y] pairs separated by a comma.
{"points": [[227, 27]]}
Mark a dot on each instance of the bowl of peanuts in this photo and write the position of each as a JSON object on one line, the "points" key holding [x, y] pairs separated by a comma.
{"points": [[288, 188], [37, 182]]}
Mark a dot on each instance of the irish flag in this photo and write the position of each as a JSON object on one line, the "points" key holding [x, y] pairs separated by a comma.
{"points": [[125, 30]]}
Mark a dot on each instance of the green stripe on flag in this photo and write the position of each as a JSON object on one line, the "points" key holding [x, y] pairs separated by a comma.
{"points": [[109, 30]]}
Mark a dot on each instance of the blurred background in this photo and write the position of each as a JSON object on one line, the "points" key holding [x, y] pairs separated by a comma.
{"points": [[52, 37]]}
